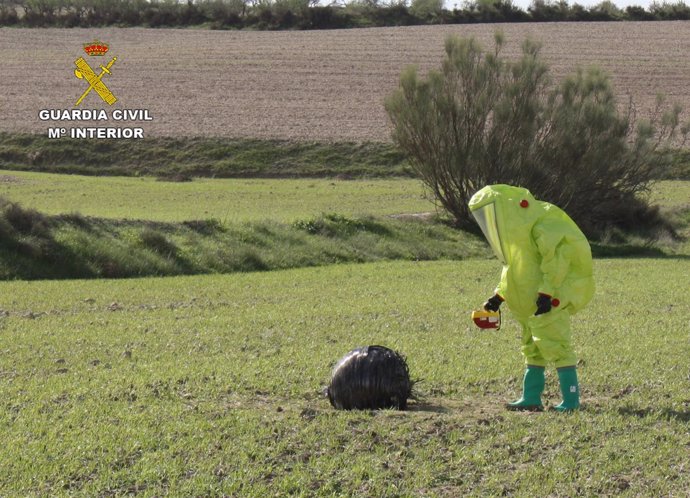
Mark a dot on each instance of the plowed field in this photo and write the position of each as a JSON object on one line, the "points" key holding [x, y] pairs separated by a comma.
{"points": [[315, 85]]}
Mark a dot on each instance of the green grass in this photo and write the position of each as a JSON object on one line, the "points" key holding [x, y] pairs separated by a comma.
{"points": [[204, 386], [275, 229], [35, 246], [211, 385], [670, 194], [673, 197], [200, 157], [181, 158], [226, 200], [240, 200], [678, 167]]}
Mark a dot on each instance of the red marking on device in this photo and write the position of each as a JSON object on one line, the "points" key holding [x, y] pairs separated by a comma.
{"points": [[486, 319]]}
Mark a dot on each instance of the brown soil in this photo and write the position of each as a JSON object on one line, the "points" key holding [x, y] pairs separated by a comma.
{"points": [[311, 85]]}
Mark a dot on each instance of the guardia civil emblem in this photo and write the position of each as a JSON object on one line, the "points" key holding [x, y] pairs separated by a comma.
{"points": [[84, 72]]}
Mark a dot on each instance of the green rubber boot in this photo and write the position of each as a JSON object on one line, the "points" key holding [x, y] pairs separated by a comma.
{"points": [[567, 377], [532, 387]]}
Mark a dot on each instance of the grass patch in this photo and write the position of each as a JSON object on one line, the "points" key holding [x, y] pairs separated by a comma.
{"points": [[677, 165], [240, 200], [211, 385], [38, 246], [182, 158], [35, 246], [228, 200], [201, 157]]}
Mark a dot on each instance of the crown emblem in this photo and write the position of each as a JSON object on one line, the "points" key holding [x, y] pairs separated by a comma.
{"points": [[95, 48]]}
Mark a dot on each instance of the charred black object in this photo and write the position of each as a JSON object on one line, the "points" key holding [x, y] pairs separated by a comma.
{"points": [[370, 378]]}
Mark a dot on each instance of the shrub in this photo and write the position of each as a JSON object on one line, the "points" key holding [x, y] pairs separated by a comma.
{"points": [[26, 232], [678, 11], [205, 227], [540, 10], [426, 9], [327, 17], [335, 225], [24, 221], [223, 13], [157, 242], [606, 11], [636, 13], [485, 120], [8, 16], [495, 11]]}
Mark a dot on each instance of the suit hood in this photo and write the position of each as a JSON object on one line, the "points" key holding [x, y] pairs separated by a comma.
{"points": [[506, 215]]}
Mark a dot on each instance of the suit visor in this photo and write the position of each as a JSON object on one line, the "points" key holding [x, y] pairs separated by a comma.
{"points": [[486, 218]]}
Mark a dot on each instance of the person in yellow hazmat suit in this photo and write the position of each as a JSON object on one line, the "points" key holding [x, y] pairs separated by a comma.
{"points": [[546, 277]]}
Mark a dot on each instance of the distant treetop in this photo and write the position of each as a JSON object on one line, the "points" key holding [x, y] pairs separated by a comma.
{"points": [[308, 14]]}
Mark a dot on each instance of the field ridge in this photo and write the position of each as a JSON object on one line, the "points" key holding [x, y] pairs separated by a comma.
{"points": [[183, 158], [180, 159], [36, 246]]}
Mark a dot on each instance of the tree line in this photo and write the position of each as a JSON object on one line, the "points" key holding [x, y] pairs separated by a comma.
{"points": [[310, 14]]}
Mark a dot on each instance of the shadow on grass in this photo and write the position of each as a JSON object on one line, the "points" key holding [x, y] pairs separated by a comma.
{"points": [[421, 406], [664, 413], [631, 251]]}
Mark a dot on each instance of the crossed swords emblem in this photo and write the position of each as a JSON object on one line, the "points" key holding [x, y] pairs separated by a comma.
{"points": [[85, 72]]}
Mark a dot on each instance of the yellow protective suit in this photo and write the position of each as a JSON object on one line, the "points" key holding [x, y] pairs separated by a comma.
{"points": [[542, 251]]}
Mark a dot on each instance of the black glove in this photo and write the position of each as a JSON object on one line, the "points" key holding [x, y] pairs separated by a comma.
{"points": [[543, 304], [493, 303]]}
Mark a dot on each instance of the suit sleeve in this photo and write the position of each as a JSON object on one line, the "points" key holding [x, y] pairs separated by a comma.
{"points": [[552, 241], [501, 287]]}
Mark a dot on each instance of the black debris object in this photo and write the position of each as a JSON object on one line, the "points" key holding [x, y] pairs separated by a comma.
{"points": [[370, 378]]}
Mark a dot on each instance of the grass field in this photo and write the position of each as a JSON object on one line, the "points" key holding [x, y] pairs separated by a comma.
{"points": [[228, 201], [210, 386], [88, 227], [670, 194], [239, 200]]}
